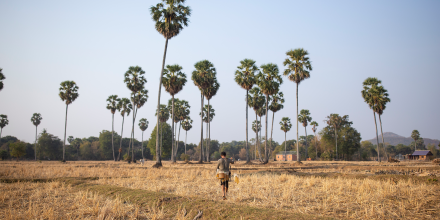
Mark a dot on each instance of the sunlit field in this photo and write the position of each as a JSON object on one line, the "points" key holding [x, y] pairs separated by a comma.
{"points": [[368, 190]]}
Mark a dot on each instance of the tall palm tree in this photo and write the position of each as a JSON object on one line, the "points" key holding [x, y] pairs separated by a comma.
{"points": [[3, 122], [2, 77], [415, 135], [379, 108], [276, 105], [298, 69], [256, 100], [124, 106], [143, 125], [207, 115], [182, 114], [209, 93], [314, 129], [261, 112], [164, 115], [187, 125], [68, 94], [112, 105], [170, 17], [304, 118], [139, 99], [256, 127], [135, 82], [245, 77], [370, 93], [36, 120], [203, 77], [269, 81], [174, 120], [173, 81], [285, 126]]}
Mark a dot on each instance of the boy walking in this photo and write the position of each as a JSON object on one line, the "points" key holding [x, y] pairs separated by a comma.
{"points": [[223, 167]]}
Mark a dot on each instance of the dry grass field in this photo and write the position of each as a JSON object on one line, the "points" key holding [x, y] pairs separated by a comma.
{"points": [[278, 190]]}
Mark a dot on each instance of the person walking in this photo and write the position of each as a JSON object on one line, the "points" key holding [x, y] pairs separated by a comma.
{"points": [[223, 168]]}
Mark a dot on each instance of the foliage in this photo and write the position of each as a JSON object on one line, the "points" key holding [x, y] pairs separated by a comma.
{"points": [[3, 154], [49, 146], [256, 126], [298, 65], [112, 103], [205, 113], [187, 124], [143, 124], [184, 157], [245, 75], [164, 113], [68, 92], [36, 119], [170, 17], [105, 144], [173, 79], [3, 121], [166, 132], [18, 149], [124, 106], [2, 77], [256, 99], [285, 124]]}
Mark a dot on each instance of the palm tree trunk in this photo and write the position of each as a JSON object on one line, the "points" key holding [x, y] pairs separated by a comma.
{"points": [[172, 130], [142, 145], [206, 142], [201, 130], [1, 130], [113, 146], [266, 159], [122, 131], [377, 138], [132, 131], [271, 130], [305, 146], [158, 159], [258, 146], [381, 132], [336, 140], [297, 128], [248, 159], [209, 147], [208, 138], [186, 134], [65, 129], [178, 139], [285, 146], [316, 149], [161, 139], [35, 145]]}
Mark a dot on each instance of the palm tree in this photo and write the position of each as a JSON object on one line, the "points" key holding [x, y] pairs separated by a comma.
{"points": [[36, 120], [276, 105], [2, 77], [209, 93], [370, 93], [382, 100], [298, 67], [261, 112], [182, 114], [135, 81], [245, 77], [164, 115], [285, 126], [112, 105], [139, 99], [256, 127], [3, 122], [173, 81], [269, 81], [68, 94], [315, 124], [203, 77], [415, 135], [304, 118], [256, 101], [207, 115], [143, 125], [187, 125], [170, 17], [124, 106]]}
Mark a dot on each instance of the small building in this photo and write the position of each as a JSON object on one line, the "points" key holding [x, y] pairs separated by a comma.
{"points": [[286, 155], [420, 155]]}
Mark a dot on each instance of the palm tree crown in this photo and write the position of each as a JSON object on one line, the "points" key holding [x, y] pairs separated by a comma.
{"points": [[171, 19], [2, 77], [285, 124], [314, 124], [304, 117], [298, 65], [134, 79], [36, 119], [204, 75], [3, 121], [143, 124], [269, 79], [174, 79], [187, 124], [415, 135], [256, 126], [112, 103], [68, 91], [164, 113], [257, 100], [124, 106], [205, 113], [140, 98], [245, 75]]}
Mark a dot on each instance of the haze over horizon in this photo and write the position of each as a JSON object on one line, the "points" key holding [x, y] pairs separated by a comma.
{"points": [[93, 43]]}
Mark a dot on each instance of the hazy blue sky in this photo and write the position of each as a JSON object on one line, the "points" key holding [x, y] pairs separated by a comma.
{"points": [[43, 43]]}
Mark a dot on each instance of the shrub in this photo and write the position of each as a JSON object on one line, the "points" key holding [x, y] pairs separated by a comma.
{"points": [[184, 157]]}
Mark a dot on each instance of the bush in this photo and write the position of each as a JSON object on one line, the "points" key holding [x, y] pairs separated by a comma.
{"points": [[3, 154], [18, 149], [127, 157], [184, 157]]}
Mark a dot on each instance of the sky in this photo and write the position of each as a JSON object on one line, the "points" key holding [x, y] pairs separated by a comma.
{"points": [[93, 43]]}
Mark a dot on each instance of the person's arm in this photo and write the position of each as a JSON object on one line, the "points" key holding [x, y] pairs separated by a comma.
{"points": [[232, 161], [218, 164]]}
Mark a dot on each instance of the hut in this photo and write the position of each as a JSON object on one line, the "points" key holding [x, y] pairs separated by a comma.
{"points": [[286, 155], [420, 155]]}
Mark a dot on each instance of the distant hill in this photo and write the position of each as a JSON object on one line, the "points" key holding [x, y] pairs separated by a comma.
{"points": [[395, 139]]}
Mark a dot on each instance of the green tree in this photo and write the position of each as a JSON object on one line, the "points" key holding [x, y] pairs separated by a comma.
{"points": [[3, 122], [124, 106], [285, 126], [187, 125], [203, 77], [415, 135], [276, 105], [269, 81], [68, 94], [135, 82], [382, 100], [298, 67], [166, 141], [173, 81], [164, 115], [304, 118], [105, 144], [140, 98], [170, 17], [49, 146], [2, 77], [143, 125], [75, 142], [245, 77], [18, 149], [315, 124], [336, 122], [256, 101], [182, 113], [209, 93], [112, 105], [36, 120]]}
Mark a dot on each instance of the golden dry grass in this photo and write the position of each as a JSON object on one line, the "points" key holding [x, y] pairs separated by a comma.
{"points": [[331, 197]]}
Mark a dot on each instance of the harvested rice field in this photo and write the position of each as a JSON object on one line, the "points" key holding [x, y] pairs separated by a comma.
{"points": [[278, 190]]}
